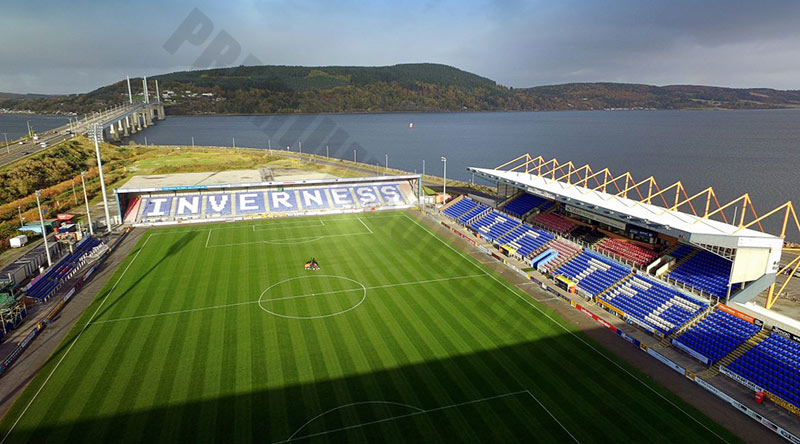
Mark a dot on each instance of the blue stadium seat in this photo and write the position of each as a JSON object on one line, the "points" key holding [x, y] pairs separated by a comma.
{"points": [[717, 335], [473, 213], [704, 271], [773, 364], [522, 204], [494, 225], [653, 303], [593, 272], [459, 208], [525, 239], [62, 270]]}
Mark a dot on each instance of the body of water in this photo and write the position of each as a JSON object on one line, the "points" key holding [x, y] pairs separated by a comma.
{"points": [[736, 152], [16, 125]]}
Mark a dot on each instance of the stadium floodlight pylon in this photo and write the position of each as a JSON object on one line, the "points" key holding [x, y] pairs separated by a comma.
{"points": [[602, 180]]}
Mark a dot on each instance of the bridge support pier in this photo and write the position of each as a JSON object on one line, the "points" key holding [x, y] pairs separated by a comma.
{"points": [[148, 118], [113, 133], [160, 111], [132, 123], [125, 125]]}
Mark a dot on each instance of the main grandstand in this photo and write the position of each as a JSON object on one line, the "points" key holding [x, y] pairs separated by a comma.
{"points": [[669, 272], [194, 197]]}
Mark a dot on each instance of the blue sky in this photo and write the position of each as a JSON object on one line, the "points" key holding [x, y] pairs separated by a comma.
{"points": [[77, 46]]}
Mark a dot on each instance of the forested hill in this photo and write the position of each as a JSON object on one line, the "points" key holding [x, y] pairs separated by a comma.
{"points": [[407, 87]]}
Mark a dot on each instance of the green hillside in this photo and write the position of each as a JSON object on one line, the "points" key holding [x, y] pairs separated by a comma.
{"points": [[405, 87]]}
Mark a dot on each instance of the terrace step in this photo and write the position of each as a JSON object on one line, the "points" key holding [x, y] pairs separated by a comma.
{"points": [[617, 284], [742, 349], [680, 262], [694, 321]]}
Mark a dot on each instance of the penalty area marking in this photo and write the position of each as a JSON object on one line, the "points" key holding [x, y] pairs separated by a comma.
{"points": [[365, 225], [290, 241], [296, 224], [516, 292], [417, 412], [352, 404], [240, 225]]}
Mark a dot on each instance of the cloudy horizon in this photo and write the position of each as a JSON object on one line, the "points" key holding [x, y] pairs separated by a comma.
{"points": [[515, 43]]}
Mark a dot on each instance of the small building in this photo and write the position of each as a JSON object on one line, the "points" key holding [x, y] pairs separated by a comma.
{"points": [[32, 228], [18, 241]]}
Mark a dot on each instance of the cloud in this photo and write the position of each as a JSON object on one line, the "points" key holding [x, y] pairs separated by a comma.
{"points": [[79, 46]]}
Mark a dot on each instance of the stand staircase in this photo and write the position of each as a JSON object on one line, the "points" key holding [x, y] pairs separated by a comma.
{"points": [[694, 321], [737, 352]]}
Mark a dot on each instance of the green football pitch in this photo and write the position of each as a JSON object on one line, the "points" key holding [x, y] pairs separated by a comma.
{"points": [[218, 333]]}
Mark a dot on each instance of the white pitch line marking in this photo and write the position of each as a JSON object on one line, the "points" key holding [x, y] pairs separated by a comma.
{"points": [[305, 224], [74, 341], [207, 239], [167, 313], [570, 332], [235, 304], [553, 416], [351, 405], [296, 240], [376, 287], [239, 225], [365, 225], [407, 415]]}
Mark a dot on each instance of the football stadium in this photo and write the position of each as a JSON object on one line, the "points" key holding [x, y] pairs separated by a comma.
{"points": [[249, 308]]}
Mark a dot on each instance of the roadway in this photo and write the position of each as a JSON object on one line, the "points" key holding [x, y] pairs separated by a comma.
{"points": [[54, 136]]}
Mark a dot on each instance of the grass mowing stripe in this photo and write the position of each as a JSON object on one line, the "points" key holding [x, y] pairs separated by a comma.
{"points": [[472, 380], [71, 344], [241, 374], [425, 338], [372, 347], [504, 368], [408, 380], [580, 338]]}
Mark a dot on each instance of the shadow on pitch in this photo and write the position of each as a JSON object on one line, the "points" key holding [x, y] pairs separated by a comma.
{"points": [[476, 397]]}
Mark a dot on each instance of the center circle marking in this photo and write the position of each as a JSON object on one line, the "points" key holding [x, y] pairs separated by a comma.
{"points": [[261, 299]]}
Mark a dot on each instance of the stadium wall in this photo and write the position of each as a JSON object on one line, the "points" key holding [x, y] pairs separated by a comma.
{"points": [[172, 205]]}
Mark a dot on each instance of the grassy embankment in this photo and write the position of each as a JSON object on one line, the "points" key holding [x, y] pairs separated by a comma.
{"points": [[57, 170]]}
